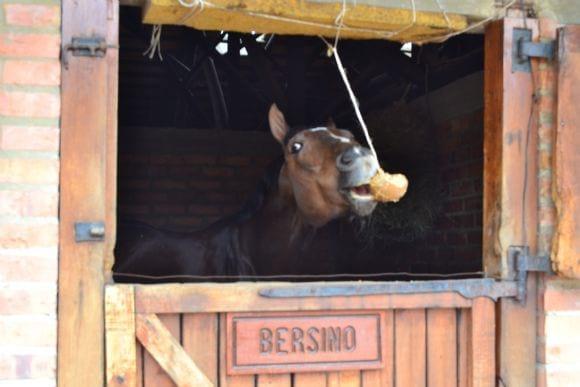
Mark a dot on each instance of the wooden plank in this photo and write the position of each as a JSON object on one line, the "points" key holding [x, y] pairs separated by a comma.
{"points": [[244, 296], [410, 355], [200, 341], [314, 379], [441, 347], [281, 380], [120, 336], [84, 114], [567, 157], [344, 379], [111, 140], [463, 347], [153, 373], [225, 379], [168, 353], [510, 212], [140, 355], [385, 376], [483, 343]]}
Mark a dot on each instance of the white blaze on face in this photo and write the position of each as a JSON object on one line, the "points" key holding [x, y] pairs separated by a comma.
{"points": [[345, 140]]}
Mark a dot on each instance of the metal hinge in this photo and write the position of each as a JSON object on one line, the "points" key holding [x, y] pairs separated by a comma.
{"points": [[95, 47], [521, 263], [524, 49], [89, 231]]}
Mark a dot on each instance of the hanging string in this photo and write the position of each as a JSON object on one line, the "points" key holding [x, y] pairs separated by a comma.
{"points": [[155, 43]]}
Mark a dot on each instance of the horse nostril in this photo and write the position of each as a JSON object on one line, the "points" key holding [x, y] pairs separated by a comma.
{"points": [[346, 159], [349, 156]]}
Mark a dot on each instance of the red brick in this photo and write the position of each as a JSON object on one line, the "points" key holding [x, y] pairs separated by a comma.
{"points": [[28, 171], [29, 45], [18, 299], [200, 159], [235, 161], [218, 172], [474, 237], [455, 205], [205, 210], [18, 235], [27, 366], [206, 185], [29, 138], [29, 104], [17, 269], [133, 209], [33, 331], [453, 238], [32, 15], [23, 72], [29, 203], [169, 209]]}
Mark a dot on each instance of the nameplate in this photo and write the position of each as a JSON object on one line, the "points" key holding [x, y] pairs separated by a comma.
{"points": [[303, 341]]}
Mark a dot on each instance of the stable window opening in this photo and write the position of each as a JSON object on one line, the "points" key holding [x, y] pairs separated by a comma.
{"points": [[197, 155]]}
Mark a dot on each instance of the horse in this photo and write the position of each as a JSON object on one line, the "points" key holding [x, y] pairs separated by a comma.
{"points": [[323, 176]]}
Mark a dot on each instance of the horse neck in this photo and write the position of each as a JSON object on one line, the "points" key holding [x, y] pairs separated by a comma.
{"points": [[275, 232]]}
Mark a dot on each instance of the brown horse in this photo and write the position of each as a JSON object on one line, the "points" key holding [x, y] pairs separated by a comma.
{"points": [[324, 176]]}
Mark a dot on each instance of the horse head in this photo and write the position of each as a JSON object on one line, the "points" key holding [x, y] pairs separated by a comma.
{"points": [[326, 171]]}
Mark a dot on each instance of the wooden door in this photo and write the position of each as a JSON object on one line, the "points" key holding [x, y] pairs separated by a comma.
{"points": [[87, 189], [567, 155], [434, 339]]}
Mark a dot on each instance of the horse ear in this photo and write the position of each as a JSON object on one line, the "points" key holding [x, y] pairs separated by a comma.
{"points": [[330, 123], [278, 125]]}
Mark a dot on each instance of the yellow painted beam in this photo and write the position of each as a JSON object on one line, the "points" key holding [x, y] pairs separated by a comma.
{"points": [[299, 17]]}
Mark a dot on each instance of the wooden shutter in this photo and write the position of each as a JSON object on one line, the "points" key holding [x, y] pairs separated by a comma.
{"points": [[566, 255]]}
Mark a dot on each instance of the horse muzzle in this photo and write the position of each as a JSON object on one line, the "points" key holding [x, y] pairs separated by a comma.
{"points": [[357, 166]]}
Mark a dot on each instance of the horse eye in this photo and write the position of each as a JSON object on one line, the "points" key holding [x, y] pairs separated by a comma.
{"points": [[295, 148]]}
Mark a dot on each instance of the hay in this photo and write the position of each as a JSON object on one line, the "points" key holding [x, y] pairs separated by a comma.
{"points": [[406, 143]]}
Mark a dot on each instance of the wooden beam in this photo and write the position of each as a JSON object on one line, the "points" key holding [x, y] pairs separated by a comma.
{"points": [[510, 192], [168, 353], [244, 296], [87, 103], [120, 336]]}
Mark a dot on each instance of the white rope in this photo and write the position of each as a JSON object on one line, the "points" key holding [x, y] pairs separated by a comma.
{"points": [[334, 52], [155, 43]]}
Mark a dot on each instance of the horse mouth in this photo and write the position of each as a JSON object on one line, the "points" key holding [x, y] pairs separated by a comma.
{"points": [[361, 192]]}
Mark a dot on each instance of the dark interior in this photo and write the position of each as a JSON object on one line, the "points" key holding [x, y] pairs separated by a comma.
{"points": [[194, 137]]}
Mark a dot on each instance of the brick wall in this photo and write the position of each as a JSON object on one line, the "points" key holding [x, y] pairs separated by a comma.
{"points": [[558, 336], [183, 179], [29, 167], [454, 243]]}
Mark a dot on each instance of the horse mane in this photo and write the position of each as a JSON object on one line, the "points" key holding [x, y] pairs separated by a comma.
{"points": [[268, 182]]}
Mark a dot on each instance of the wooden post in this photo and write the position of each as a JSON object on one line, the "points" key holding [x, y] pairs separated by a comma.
{"points": [[483, 343], [85, 192], [120, 336], [510, 191]]}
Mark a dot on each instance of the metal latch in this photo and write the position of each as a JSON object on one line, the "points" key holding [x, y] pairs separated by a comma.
{"points": [[95, 47], [89, 231], [521, 262], [524, 49]]}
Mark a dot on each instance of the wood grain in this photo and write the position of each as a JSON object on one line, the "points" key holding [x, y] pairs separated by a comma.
{"points": [[483, 342], [385, 376], [120, 336], [161, 344], [84, 114], [567, 156], [410, 351], [200, 341], [153, 374], [244, 296], [464, 348], [281, 380], [344, 379], [313, 379], [225, 379], [441, 347]]}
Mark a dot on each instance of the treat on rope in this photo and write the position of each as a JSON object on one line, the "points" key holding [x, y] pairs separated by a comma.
{"points": [[388, 188]]}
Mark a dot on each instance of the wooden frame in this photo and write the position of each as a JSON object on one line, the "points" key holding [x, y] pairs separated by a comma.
{"points": [[87, 190], [134, 310], [88, 185], [510, 191]]}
